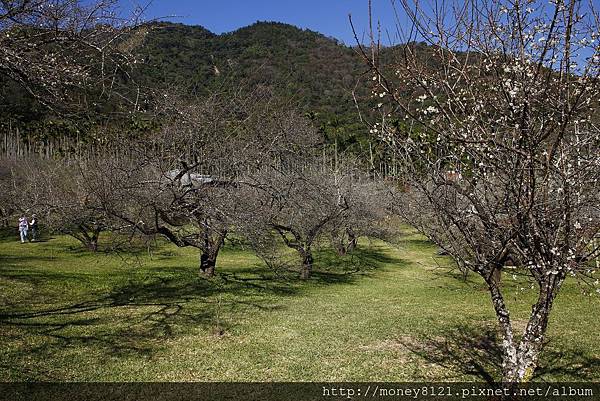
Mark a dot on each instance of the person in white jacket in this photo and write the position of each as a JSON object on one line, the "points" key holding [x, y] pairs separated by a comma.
{"points": [[23, 228]]}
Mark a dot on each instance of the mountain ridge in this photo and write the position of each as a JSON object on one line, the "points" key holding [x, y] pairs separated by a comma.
{"points": [[318, 72]]}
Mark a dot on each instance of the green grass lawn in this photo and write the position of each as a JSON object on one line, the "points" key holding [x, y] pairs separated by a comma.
{"points": [[382, 314]]}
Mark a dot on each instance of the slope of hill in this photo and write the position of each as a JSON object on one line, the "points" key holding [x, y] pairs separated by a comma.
{"points": [[317, 72], [317, 69]]}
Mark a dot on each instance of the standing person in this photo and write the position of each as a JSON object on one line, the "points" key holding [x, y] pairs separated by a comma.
{"points": [[33, 225], [23, 226]]}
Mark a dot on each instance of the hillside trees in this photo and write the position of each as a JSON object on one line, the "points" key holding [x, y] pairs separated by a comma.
{"points": [[496, 133], [114, 79], [316, 71]]}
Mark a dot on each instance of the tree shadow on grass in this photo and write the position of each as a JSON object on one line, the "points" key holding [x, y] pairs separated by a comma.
{"points": [[9, 234], [137, 317], [476, 352], [330, 268], [419, 242]]}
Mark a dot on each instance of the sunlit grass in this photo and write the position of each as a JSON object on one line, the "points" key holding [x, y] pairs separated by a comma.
{"points": [[383, 313]]}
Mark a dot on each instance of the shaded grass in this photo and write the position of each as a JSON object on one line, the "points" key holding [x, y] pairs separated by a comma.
{"points": [[379, 314]]}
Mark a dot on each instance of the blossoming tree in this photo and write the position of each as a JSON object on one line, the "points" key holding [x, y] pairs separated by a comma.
{"points": [[494, 120], [54, 49]]}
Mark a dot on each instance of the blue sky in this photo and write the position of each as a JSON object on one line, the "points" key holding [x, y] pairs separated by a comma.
{"points": [[329, 17]]}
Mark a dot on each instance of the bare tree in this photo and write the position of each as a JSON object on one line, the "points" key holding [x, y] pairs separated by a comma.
{"points": [[369, 200], [184, 181], [493, 122], [302, 204], [56, 192], [307, 203], [7, 195], [141, 190]]}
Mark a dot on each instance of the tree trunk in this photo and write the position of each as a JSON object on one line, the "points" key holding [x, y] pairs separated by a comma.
{"points": [[92, 245], [208, 255], [307, 263], [89, 237], [207, 264], [497, 275], [509, 349], [353, 240], [519, 363], [94, 238], [533, 339], [345, 248]]}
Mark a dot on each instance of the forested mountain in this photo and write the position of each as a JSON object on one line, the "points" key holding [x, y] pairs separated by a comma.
{"points": [[317, 73], [317, 69]]}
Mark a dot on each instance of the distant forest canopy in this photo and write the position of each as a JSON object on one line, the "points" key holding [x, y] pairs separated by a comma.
{"points": [[315, 73]]}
